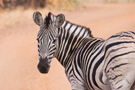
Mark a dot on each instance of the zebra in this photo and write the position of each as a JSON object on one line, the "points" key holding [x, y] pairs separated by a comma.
{"points": [[90, 63]]}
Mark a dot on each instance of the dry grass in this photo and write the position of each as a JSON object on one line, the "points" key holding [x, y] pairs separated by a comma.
{"points": [[10, 18], [64, 4], [14, 17]]}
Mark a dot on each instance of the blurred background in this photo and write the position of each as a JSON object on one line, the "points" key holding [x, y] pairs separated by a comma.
{"points": [[18, 32], [54, 3]]}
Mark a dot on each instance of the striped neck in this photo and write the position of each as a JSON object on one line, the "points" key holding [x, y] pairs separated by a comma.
{"points": [[69, 36]]}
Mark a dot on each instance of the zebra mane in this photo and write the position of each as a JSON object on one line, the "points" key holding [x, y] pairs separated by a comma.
{"points": [[88, 29], [47, 22], [47, 19]]}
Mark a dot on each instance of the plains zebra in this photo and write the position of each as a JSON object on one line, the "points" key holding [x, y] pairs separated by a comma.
{"points": [[90, 63]]}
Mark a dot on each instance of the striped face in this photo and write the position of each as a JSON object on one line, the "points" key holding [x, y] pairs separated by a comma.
{"points": [[47, 38]]}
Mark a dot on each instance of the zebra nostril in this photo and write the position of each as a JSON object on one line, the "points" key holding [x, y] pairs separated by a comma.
{"points": [[43, 69], [43, 65]]}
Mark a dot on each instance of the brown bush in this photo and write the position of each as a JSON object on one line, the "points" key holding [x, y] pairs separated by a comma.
{"points": [[39, 3], [68, 4], [23, 3]]}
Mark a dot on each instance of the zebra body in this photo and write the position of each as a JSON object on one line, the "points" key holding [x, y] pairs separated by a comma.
{"points": [[90, 63]]}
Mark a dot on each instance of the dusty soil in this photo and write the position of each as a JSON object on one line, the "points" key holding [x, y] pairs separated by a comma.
{"points": [[18, 45]]}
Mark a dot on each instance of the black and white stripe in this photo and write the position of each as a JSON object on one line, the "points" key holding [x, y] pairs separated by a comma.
{"points": [[92, 63]]}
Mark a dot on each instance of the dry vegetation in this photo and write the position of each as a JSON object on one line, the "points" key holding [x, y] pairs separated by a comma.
{"points": [[9, 18], [39, 3], [63, 4], [24, 3], [53, 3]]}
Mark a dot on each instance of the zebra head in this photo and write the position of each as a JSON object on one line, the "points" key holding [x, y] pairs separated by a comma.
{"points": [[47, 38]]}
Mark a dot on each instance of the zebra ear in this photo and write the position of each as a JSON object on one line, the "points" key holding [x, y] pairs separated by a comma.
{"points": [[37, 17], [60, 20]]}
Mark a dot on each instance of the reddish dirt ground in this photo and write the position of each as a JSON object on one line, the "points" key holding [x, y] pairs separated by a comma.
{"points": [[18, 46]]}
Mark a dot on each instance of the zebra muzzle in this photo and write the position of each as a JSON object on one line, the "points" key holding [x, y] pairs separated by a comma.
{"points": [[43, 66]]}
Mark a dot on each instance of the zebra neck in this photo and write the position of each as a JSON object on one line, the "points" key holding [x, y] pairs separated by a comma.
{"points": [[69, 37]]}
